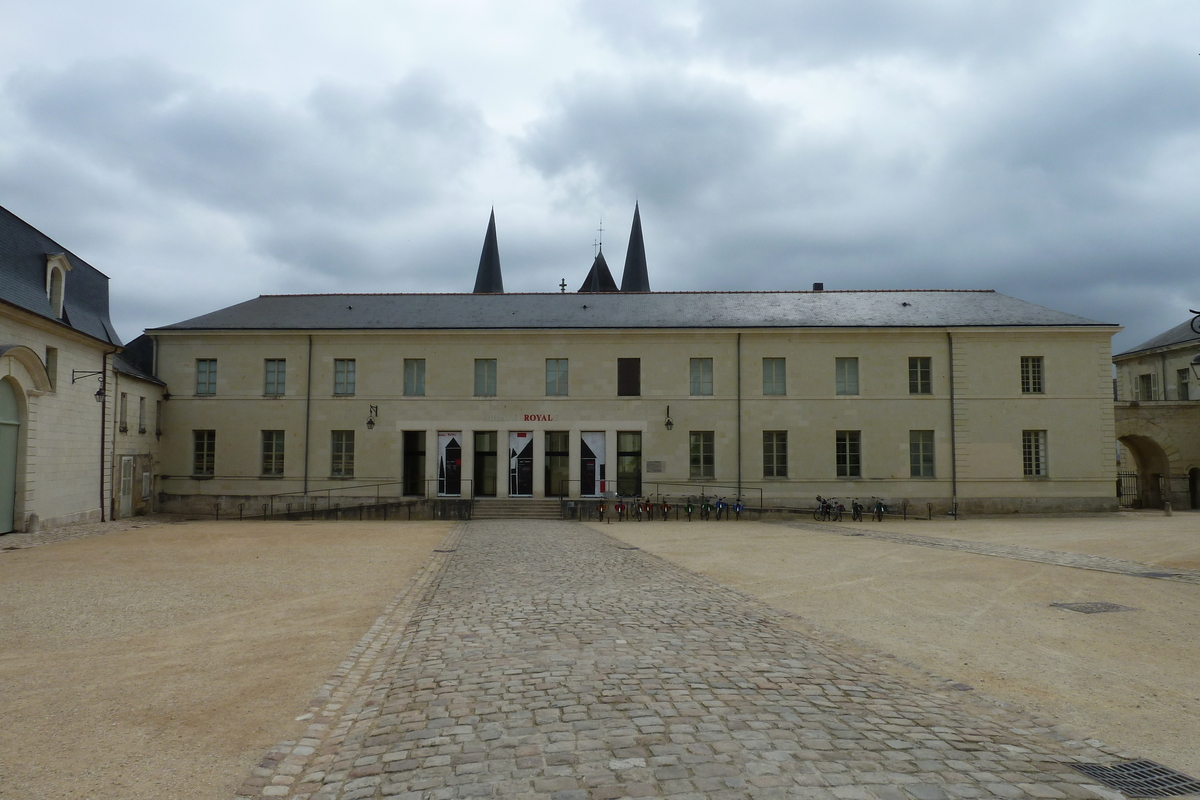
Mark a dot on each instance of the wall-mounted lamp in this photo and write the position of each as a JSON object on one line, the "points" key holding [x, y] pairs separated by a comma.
{"points": [[1196, 366], [670, 423], [371, 415], [80, 374]]}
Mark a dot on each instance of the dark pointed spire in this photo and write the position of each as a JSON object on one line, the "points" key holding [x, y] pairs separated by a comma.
{"points": [[488, 280], [599, 279], [635, 278]]}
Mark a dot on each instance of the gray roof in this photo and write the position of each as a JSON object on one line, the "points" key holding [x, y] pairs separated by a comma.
{"points": [[853, 309], [23, 252], [1180, 334]]}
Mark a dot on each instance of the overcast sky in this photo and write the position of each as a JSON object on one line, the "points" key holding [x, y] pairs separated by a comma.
{"points": [[201, 154]]}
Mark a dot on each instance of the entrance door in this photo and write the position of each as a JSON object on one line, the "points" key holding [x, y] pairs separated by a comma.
{"points": [[10, 428], [591, 463], [485, 464], [126, 509], [629, 463], [520, 463], [449, 463], [558, 461], [414, 463]]}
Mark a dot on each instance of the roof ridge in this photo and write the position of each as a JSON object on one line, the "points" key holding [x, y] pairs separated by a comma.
{"points": [[710, 291]]}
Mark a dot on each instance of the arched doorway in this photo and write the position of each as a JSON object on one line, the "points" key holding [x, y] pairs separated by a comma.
{"points": [[1153, 472], [10, 438]]}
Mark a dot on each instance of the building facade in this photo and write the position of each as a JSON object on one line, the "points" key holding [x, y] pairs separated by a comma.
{"points": [[1158, 418], [929, 397]]}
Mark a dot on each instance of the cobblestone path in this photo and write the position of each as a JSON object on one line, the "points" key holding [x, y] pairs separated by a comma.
{"points": [[1056, 557], [547, 660]]}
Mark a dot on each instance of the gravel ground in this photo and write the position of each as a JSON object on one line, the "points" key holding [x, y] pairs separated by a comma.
{"points": [[153, 658]]}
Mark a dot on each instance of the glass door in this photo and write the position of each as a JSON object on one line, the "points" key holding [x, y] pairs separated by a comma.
{"points": [[520, 463], [558, 460], [485, 463], [629, 463]]}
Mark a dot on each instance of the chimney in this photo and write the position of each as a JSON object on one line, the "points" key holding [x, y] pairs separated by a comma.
{"points": [[818, 287]]}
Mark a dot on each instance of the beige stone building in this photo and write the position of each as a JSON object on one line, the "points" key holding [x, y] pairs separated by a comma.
{"points": [[967, 398], [63, 384], [1158, 419]]}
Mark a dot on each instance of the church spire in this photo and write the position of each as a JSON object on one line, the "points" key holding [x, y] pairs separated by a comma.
{"points": [[635, 278], [488, 280], [599, 279]]}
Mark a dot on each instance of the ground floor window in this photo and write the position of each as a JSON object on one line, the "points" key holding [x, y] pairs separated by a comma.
{"points": [[204, 448], [775, 456], [1033, 453], [849, 454], [920, 454], [700, 460], [342, 461], [629, 463], [272, 453]]}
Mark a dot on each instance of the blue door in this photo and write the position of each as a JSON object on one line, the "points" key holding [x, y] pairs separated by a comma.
{"points": [[10, 422]]}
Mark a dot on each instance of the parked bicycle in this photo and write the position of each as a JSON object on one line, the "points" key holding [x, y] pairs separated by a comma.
{"points": [[856, 510], [828, 510]]}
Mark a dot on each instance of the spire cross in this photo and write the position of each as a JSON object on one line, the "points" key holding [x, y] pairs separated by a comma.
{"points": [[562, 287]]}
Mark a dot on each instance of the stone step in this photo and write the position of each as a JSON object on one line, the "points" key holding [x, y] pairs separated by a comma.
{"points": [[517, 508]]}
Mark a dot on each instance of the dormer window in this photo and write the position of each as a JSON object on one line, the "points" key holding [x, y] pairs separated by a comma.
{"points": [[57, 267]]}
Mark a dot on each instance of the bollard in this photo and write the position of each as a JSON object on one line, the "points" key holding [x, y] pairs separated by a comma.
{"points": [[217, 510], [240, 507], [1166, 509], [930, 505]]}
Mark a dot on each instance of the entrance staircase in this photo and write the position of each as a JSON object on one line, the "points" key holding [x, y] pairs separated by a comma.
{"points": [[517, 508]]}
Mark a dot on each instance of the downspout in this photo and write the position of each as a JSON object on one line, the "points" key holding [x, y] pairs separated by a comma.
{"points": [[739, 415], [307, 413], [953, 438]]}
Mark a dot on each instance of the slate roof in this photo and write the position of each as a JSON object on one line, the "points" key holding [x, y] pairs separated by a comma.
{"points": [[599, 278], [23, 252], [831, 309], [1180, 334]]}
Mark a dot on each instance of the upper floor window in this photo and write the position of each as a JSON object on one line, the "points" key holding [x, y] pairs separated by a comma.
{"points": [[846, 375], [141, 415], [124, 412], [1182, 384], [1145, 386], [700, 370], [56, 282], [414, 377], [1032, 375], [920, 375], [629, 377], [206, 376], [275, 372], [774, 376], [343, 376], [485, 377], [556, 377]]}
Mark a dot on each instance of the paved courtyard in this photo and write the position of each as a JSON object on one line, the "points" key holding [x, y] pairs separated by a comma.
{"points": [[549, 660]]}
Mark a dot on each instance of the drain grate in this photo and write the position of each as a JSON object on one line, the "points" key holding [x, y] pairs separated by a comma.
{"points": [[629, 548], [1142, 778], [1092, 608], [443, 551]]}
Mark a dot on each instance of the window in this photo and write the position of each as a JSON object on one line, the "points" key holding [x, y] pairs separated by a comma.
{"points": [[701, 375], [272, 453], [1146, 386], [1033, 453], [124, 413], [920, 454], [556, 377], [141, 415], [1031, 375], [1182, 382], [52, 367], [775, 453], [414, 377], [275, 372], [342, 463], [701, 460], [774, 376], [158, 417], [485, 377], [343, 376], [206, 376], [920, 375], [57, 286], [204, 447], [846, 375], [629, 377], [849, 454]]}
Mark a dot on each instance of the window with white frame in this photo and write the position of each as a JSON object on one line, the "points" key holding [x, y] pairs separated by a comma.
{"points": [[701, 372], [204, 448], [920, 454], [344, 370], [774, 376], [414, 377], [775, 455], [206, 376], [1032, 377], [485, 377], [848, 454], [701, 462], [846, 376], [556, 377], [1033, 453], [920, 375], [342, 460], [274, 376], [272, 454]]}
